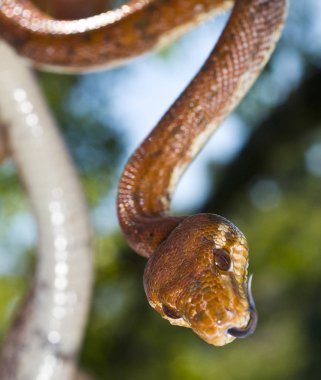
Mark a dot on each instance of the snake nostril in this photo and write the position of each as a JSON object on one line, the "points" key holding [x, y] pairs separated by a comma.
{"points": [[170, 312]]}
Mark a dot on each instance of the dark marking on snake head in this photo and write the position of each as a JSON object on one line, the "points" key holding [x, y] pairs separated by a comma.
{"points": [[170, 312], [206, 240], [199, 316]]}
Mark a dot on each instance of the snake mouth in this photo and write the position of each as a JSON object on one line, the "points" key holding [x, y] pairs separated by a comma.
{"points": [[251, 326]]}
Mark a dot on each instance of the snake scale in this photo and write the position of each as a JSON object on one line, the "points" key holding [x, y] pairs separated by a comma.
{"points": [[196, 273]]}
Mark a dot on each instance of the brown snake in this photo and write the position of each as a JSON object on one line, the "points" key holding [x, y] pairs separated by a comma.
{"points": [[196, 274]]}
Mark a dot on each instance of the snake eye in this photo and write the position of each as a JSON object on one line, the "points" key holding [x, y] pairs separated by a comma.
{"points": [[222, 259], [170, 312]]}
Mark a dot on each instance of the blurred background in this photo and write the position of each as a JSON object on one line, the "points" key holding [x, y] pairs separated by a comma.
{"points": [[262, 170]]}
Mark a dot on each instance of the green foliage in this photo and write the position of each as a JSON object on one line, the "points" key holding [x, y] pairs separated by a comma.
{"points": [[10, 295]]}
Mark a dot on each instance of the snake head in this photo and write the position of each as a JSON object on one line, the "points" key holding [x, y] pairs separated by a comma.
{"points": [[197, 278]]}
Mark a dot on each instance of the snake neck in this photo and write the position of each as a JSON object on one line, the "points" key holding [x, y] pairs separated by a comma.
{"points": [[151, 174]]}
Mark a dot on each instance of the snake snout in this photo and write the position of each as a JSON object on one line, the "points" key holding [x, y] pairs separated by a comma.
{"points": [[215, 320], [251, 326]]}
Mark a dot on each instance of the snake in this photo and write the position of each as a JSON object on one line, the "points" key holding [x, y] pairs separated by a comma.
{"points": [[196, 274]]}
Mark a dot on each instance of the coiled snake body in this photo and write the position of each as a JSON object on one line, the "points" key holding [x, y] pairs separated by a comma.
{"points": [[196, 274]]}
